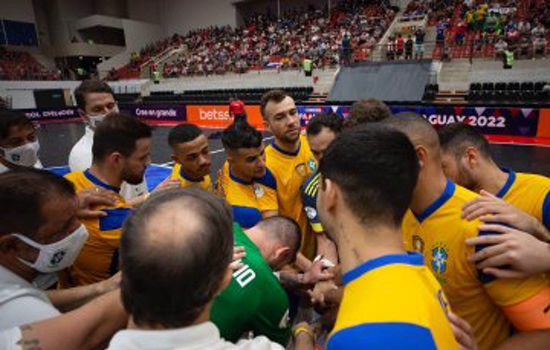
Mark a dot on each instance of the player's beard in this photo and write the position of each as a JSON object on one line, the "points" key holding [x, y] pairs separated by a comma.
{"points": [[132, 178]]}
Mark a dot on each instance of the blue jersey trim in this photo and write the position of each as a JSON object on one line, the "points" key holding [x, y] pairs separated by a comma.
{"points": [[287, 153], [100, 183], [445, 196], [237, 179], [114, 219], [267, 180], [511, 179], [391, 335], [546, 211], [247, 217], [411, 258]]}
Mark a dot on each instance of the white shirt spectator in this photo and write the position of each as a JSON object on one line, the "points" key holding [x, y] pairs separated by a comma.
{"points": [[21, 302], [203, 336], [9, 339], [80, 159], [4, 168], [501, 45]]}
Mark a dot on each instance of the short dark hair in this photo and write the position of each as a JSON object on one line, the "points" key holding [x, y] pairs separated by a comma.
{"points": [[377, 185], [331, 121], [118, 133], [241, 135], [283, 229], [170, 282], [10, 118], [272, 96], [455, 138], [369, 110], [23, 193], [183, 133], [89, 87]]}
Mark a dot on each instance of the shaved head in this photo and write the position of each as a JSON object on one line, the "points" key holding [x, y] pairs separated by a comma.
{"points": [[418, 129]]}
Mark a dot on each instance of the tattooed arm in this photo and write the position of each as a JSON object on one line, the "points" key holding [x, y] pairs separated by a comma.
{"points": [[85, 328]]}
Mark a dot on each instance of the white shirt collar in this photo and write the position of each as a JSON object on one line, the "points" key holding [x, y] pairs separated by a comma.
{"points": [[202, 336]]}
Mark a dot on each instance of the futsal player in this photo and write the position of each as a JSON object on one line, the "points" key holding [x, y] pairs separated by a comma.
{"points": [[255, 301], [121, 152], [290, 160], [391, 300], [191, 154], [434, 227], [96, 100], [245, 182], [466, 158]]}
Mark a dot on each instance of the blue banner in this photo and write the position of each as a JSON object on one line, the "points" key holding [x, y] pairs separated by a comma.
{"points": [[308, 112]]}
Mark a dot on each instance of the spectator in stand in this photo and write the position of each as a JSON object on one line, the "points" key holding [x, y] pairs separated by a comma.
{"points": [[419, 43], [500, 47], [409, 48], [400, 44]]}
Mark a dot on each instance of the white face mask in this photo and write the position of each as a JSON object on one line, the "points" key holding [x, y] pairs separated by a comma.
{"points": [[94, 120], [26, 155], [59, 255]]}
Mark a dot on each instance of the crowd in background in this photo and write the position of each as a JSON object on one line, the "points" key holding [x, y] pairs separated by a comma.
{"points": [[17, 65], [265, 41]]}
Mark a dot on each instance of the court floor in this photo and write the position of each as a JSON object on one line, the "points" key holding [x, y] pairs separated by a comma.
{"points": [[57, 139]]}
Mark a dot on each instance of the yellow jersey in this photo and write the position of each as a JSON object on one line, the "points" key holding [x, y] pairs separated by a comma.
{"points": [[440, 234], [177, 173], [248, 200], [392, 302], [290, 171], [99, 258], [528, 192]]}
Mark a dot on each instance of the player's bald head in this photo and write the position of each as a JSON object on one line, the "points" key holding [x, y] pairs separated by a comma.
{"points": [[178, 243], [418, 129], [283, 230]]}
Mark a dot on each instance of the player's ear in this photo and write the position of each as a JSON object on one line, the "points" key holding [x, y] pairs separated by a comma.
{"points": [[471, 155], [330, 194], [283, 254], [115, 158], [422, 154]]}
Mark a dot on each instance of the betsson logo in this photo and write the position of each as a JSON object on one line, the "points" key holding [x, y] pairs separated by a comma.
{"points": [[213, 115]]}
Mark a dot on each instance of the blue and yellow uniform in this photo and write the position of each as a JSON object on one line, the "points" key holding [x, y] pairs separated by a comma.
{"points": [[99, 258], [248, 200], [186, 181], [291, 169], [309, 191], [528, 192], [485, 302], [392, 302]]}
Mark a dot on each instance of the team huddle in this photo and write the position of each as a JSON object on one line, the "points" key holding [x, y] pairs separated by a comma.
{"points": [[375, 232]]}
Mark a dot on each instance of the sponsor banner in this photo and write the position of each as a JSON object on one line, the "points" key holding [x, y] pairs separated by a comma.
{"points": [[488, 120], [309, 111], [156, 112], [212, 116], [52, 115], [544, 123]]}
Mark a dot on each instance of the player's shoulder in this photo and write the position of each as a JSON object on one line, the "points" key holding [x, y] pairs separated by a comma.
{"points": [[268, 180], [532, 180], [311, 185], [76, 177]]}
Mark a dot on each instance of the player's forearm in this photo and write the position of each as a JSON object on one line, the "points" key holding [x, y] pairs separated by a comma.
{"points": [[136, 202], [539, 340], [302, 262], [327, 248], [89, 327], [540, 231], [69, 299]]}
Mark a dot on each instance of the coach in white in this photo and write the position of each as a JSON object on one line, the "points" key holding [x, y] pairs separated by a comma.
{"points": [[96, 100], [175, 255], [18, 142]]}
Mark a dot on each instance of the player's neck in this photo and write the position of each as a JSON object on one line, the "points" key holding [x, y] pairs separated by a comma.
{"points": [[491, 178], [106, 175], [239, 175], [290, 147], [359, 243], [428, 189], [203, 317]]}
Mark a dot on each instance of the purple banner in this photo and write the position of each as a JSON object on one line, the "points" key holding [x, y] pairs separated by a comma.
{"points": [[52, 115], [308, 112], [156, 112], [488, 120]]}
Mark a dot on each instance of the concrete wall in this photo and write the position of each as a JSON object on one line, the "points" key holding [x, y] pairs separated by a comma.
{"points": [[137, 35], [17, 10], [181, 16], [144, 11]]}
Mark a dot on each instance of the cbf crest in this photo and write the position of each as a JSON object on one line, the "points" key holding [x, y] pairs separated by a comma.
{"points": [[312, 165], [440, 256]]}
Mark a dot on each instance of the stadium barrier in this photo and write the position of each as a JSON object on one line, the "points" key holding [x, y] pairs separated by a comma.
{"points": [[491, 120]]}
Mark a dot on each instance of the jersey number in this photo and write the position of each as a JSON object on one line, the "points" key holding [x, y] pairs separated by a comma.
{"points": [[244, 275]]}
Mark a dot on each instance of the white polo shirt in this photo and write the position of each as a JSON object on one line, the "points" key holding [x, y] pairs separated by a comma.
{"points": [[9, 339], [80, 159], [21, 302], [203, 336]]}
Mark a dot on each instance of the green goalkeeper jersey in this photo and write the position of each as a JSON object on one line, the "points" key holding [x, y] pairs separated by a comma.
{"points": [[254, 301]]}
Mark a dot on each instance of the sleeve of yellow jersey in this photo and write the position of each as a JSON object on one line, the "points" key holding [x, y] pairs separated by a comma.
{"points": [[268, 200], [525, 302]]}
